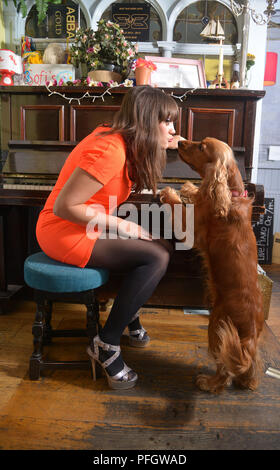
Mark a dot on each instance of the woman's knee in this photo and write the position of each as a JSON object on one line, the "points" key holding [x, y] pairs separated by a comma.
{"points": [[167, 245], [161, 257]]}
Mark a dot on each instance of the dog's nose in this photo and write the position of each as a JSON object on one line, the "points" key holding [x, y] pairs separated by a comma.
{"points": [[180, 143]]}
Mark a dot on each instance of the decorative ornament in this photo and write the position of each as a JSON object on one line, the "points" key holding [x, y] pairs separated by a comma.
{"points": [[205, 20], [184, 96], [214, 32], [54, 54], [87, 95], [270, 68], [10, 63], [107, 45]]}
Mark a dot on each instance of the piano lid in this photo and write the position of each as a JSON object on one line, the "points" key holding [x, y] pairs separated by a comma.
{"points": [[34, 160], [176, 168], [34, 163]]}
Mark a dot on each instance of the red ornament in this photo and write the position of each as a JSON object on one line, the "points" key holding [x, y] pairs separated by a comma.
{"points": [[270, 69]]}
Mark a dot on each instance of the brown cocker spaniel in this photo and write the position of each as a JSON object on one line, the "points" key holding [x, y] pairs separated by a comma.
{"points": [[225, 239]]}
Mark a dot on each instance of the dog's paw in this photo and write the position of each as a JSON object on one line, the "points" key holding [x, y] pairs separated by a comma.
{"points": [[188, 185], [187, 191], [202, 382], [212, 384], [168, 195]]}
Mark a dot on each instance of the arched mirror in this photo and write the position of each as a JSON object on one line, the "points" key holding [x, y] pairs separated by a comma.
{"points": [[195, 17], [155, 33], [51, 26]]}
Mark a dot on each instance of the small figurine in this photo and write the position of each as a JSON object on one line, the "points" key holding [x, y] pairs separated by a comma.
{"points": [[54, 54]]}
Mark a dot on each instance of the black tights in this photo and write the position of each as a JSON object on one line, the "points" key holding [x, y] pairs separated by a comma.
{"points": [[145, 263]]}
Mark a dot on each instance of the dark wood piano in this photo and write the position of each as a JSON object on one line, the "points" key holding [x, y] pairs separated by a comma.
{"points": [[38, 132]]}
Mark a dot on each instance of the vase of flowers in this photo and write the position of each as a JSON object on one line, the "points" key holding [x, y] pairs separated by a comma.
{"points": [[104, 49], [143, 70]]}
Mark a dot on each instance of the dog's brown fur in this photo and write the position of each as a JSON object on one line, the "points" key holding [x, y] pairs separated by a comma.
{"points": [[225, 239]]}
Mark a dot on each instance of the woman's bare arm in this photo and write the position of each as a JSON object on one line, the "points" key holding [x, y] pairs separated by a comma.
{"points": [[71, 205]]}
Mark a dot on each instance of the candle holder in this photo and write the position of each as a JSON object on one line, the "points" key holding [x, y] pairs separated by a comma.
{"points": [[220, 82]]}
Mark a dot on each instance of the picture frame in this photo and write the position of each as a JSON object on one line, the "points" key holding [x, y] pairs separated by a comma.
{"points": [[177, 73]]}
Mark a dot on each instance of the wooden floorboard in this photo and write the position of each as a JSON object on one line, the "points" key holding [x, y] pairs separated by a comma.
{"points": [[165, 411]]}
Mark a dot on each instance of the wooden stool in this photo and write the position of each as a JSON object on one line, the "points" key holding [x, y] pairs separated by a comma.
{"points": [[59, 282]]}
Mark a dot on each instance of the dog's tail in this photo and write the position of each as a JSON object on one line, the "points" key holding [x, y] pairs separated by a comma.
{"points": [[239, 359]]}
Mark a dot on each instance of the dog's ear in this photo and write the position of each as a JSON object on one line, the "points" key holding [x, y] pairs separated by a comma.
{"points": [[215, 187], [235, 181]]}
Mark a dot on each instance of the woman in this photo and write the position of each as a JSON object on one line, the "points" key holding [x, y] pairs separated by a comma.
{"points": [[109, 163]]}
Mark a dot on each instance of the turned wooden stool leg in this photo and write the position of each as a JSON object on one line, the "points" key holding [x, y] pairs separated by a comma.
{"points": [[96, 313], [37, 331], [47, 335], [93, 325]]}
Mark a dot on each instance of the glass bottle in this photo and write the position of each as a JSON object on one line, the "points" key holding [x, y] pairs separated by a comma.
{"points": [[234, 83]]}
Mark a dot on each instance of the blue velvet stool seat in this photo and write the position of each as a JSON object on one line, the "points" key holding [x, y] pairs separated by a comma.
{"points": [[53, 281]]}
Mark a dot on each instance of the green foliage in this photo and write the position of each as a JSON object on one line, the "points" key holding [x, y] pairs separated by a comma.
{"points": [[41, 6], [106, 45], [250, 61]]}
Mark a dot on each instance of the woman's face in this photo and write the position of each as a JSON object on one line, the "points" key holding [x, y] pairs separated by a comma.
{"points": [[166, 131]]}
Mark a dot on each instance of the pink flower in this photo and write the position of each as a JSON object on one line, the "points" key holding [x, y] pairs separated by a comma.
{"points": [[61, 81]]}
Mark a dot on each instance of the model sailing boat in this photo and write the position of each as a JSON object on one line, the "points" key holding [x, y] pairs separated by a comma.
{"points": [[213, 30]]}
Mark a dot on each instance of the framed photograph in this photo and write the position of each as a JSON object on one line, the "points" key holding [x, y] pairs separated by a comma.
{"points": [[177, 73]]}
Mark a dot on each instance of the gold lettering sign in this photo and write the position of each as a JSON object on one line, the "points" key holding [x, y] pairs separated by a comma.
{"points": [[58, 23], [70, 22], [134, 21]]}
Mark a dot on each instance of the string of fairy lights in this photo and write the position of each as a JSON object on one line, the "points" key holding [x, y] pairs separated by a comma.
{"points": [[107, 91]]}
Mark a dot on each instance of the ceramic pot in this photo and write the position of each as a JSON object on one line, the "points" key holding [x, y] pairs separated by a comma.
{"points": [[104, 76], [106, 72], [143, 76]]}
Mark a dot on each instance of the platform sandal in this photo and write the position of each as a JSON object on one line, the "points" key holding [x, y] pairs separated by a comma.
{"points": [[124, 379], [138, 338]]}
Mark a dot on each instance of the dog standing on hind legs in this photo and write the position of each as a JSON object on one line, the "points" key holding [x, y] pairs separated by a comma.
{"points": [[224, 237]]}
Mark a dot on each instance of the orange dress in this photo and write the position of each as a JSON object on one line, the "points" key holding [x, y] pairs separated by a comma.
{"points": [[105, 159]]}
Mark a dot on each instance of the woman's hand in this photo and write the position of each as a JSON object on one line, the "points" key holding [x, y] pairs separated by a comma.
{"points": [[174, 143], [70, 205], [127, 229]]}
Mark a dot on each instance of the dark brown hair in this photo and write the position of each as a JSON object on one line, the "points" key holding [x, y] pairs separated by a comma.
{"points": [[142, 109]]}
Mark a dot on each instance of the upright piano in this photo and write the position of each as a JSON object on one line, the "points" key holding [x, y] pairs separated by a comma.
{"points": [[39, 131]]}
